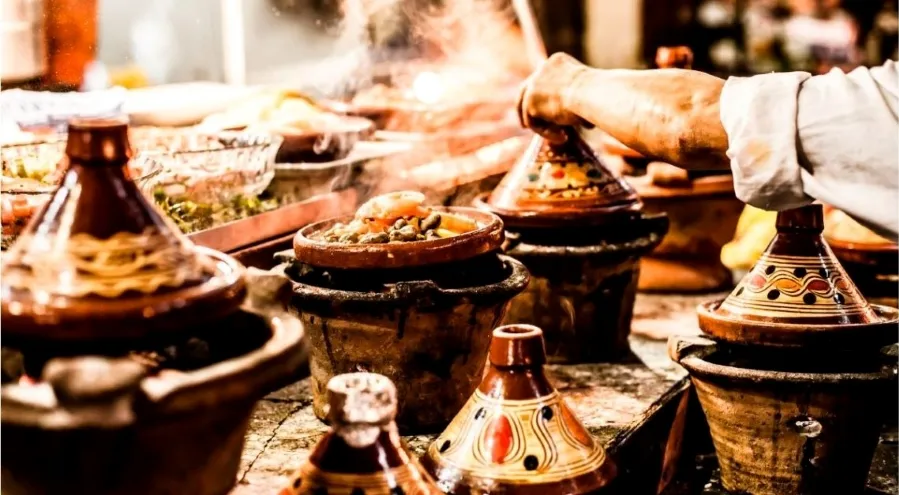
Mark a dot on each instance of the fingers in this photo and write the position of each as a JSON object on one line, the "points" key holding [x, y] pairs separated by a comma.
{"points": [[550, 132]]}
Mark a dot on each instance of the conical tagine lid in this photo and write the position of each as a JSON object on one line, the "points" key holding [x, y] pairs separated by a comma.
{"points": [[796, 292], [362, 453], [516, 434], [99, 262], [561, 184]]}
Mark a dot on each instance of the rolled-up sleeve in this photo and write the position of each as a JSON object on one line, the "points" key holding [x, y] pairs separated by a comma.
{"points": [[794, 138]]}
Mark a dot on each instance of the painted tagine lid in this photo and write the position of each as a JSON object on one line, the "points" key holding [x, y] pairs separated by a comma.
{"points": [[798, 293], [100, 263], [555, 185], [516, 434], [362, 454]]}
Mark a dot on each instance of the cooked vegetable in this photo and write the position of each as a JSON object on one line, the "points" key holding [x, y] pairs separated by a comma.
{"points": [[192, 217]]}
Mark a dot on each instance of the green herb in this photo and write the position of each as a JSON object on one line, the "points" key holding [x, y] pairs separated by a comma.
{"points": [[193, 217]]}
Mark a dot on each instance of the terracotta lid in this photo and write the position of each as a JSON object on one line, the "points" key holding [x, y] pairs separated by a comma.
{"points": [[100, 263], [554, 185], [797, 293], [311, 248], [517, 434], [362, 453]]}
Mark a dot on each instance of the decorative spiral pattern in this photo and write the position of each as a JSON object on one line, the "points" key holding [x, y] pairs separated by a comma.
{"points": [[85, 265], [796, 286], [522, 442]]}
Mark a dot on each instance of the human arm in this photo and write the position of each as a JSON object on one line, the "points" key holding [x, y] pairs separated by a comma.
{"points": [[789, 138]]}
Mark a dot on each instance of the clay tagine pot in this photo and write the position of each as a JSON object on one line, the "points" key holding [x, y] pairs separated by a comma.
{"points": [[419, 313], [99, 265], [788, 423], [799, 295], [363, 452], [702, 211], [871, 260], [581, 232], [113, 426], [516, 435]]}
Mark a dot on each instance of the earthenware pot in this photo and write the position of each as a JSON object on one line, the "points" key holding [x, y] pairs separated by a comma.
{"points": [[583, 286], [873, 267], [516, 435], [363, 452], [426, 328], [104, 427], [787, 422], [100, 265], [799, 295], [703, 217]]}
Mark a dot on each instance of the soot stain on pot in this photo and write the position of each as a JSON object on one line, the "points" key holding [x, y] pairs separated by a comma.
{"points": [[401, 324], [328, 349]]}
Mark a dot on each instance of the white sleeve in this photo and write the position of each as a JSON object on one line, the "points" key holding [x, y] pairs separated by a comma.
{"points": [[794, 138]]}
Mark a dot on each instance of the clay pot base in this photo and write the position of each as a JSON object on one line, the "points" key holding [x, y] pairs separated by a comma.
{"points": [[488, 237], [760, 333], [791, 422]]}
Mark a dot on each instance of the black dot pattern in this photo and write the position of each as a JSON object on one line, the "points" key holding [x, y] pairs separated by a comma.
{"points": [[773, 294], [809, 298], [480, 414], [531, 462], [547, 413], [445, 446], [739, 292], [769, 270], [800, 272], [839, 299], [297, 483], [822, 272]]}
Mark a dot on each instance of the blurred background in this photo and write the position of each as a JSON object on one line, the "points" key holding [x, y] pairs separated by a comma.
{"points": [[97, 42]]}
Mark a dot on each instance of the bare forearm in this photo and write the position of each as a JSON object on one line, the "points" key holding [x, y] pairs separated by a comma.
{"points": [[670, 114]]}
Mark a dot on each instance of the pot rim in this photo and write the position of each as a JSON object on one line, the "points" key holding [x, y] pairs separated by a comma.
{"points": [[655, 226], [243, 378], [511, 285], [768, 334], [486, 238], [691, 353]]}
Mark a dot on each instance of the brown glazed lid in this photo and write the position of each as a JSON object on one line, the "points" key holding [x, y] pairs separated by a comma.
{"points": [[489, 236], [99, 262], [516, 434], [363, 452], [555, 185], [798, 293]]}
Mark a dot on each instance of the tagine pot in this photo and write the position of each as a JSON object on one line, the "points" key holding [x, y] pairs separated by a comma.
{"points": [[105, 426], [703, 215], [581, 232], [363, 452], [788, 424], [799, 295], [419, 313], [516, 435]]}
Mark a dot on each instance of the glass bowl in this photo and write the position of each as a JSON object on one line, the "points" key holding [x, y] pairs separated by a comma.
{"points": [[208, 167]]}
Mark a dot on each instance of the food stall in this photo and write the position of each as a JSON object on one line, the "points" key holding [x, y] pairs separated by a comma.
{"points": [[362, 276]]}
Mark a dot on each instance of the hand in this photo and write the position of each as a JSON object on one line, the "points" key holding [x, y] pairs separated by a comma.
{"points": [[543, 103]]}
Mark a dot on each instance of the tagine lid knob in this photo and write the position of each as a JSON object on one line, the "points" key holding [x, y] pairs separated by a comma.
{"points": [[674, 57], [517, 430], [100, 262], [557, 184], [797, 293], [363, 447]]}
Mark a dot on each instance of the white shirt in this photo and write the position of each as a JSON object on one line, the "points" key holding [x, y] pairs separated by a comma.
{"points": [[794, 138]]}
